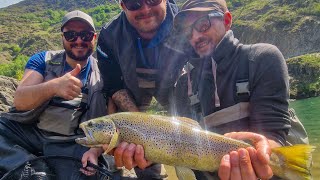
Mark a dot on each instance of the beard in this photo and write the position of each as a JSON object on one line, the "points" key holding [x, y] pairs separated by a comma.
{"points": [[151, 24], [150, 27], [75, 57], [210, 49]]}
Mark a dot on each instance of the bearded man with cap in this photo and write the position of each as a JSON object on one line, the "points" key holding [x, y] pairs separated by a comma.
{"points": [[59, 90], [234, 87]]}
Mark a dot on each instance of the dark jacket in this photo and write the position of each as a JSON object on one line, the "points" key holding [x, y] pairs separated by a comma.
{"points": [[269, 88], [118, 53]]}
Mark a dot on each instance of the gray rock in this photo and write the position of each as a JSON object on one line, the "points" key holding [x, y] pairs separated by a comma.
{"points": [[7, 88]]}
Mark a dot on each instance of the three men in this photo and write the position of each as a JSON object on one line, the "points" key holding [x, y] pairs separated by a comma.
{"points": [[141, 65]]}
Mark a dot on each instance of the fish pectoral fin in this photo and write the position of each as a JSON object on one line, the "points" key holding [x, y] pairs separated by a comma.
{"points": [[184, 173], [115, 140]]}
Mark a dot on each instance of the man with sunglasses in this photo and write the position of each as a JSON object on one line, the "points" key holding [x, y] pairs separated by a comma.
{"points": [[59, 90], [138, 61], [234, 87]]}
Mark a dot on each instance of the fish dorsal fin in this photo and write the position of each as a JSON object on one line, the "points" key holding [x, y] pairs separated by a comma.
{"points": [[182, 120], [184, 173], [115, 140], [189, 122]]}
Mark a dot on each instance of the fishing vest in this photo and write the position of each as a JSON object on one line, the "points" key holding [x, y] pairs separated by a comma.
{"points": [[297, 133], [61, 116]]}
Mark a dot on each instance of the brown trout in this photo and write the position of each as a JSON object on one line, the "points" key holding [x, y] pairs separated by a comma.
{"points": [[181, 142]]}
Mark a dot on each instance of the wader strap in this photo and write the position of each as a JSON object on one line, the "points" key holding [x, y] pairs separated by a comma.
{"points": [[227, 115], [242, 93], [214, 67], [188, 68]]}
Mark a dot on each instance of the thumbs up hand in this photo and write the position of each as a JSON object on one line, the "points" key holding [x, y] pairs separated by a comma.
{"points": [[69, 86]]}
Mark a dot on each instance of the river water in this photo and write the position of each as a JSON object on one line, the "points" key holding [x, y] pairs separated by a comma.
{"points": [[308, 111]]}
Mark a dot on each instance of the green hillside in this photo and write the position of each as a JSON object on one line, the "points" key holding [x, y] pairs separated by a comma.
{"points": [[305, 75], [260, 14]]}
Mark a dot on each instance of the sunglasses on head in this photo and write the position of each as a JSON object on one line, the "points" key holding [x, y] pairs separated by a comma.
{"points": [[72, 36], [133, 5], [201, 25]]}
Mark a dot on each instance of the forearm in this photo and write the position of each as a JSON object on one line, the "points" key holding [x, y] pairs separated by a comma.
{"points": [[30, 97], [111, 107], [124, 101]]}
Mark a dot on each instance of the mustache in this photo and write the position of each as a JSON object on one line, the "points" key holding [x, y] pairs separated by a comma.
{"points": [[143, 15], [200, 40], [84, 45]]}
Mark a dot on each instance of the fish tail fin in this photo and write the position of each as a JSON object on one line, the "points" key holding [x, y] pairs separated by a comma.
{"points": [[292, 162]]}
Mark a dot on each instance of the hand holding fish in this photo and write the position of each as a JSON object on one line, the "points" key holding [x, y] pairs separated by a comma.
{"points": [[129, 156], [247, 162]]}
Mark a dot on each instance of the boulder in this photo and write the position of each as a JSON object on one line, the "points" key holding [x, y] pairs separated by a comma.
{"points": [[7, 88]]}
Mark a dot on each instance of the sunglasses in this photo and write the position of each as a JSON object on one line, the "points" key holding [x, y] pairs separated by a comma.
{"points": [[201, 25], [72, 36], [133, 5]]}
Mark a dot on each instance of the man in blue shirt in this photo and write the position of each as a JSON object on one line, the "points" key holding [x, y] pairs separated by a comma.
{"points": [[64, 87]]}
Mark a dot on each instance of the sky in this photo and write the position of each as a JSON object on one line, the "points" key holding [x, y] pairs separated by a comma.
{"points": [[5, 3]]}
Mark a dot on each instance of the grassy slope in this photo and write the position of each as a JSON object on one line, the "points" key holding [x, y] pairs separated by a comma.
{"points": [[260, 14]]}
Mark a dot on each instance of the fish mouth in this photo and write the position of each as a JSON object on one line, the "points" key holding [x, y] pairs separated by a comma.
{"points": [[88, 134]]}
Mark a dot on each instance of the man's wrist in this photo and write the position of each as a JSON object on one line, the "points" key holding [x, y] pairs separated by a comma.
{"points": [[124, 101]]}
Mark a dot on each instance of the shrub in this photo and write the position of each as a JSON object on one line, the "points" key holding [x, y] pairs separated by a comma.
{"points": [[14, 69]]}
